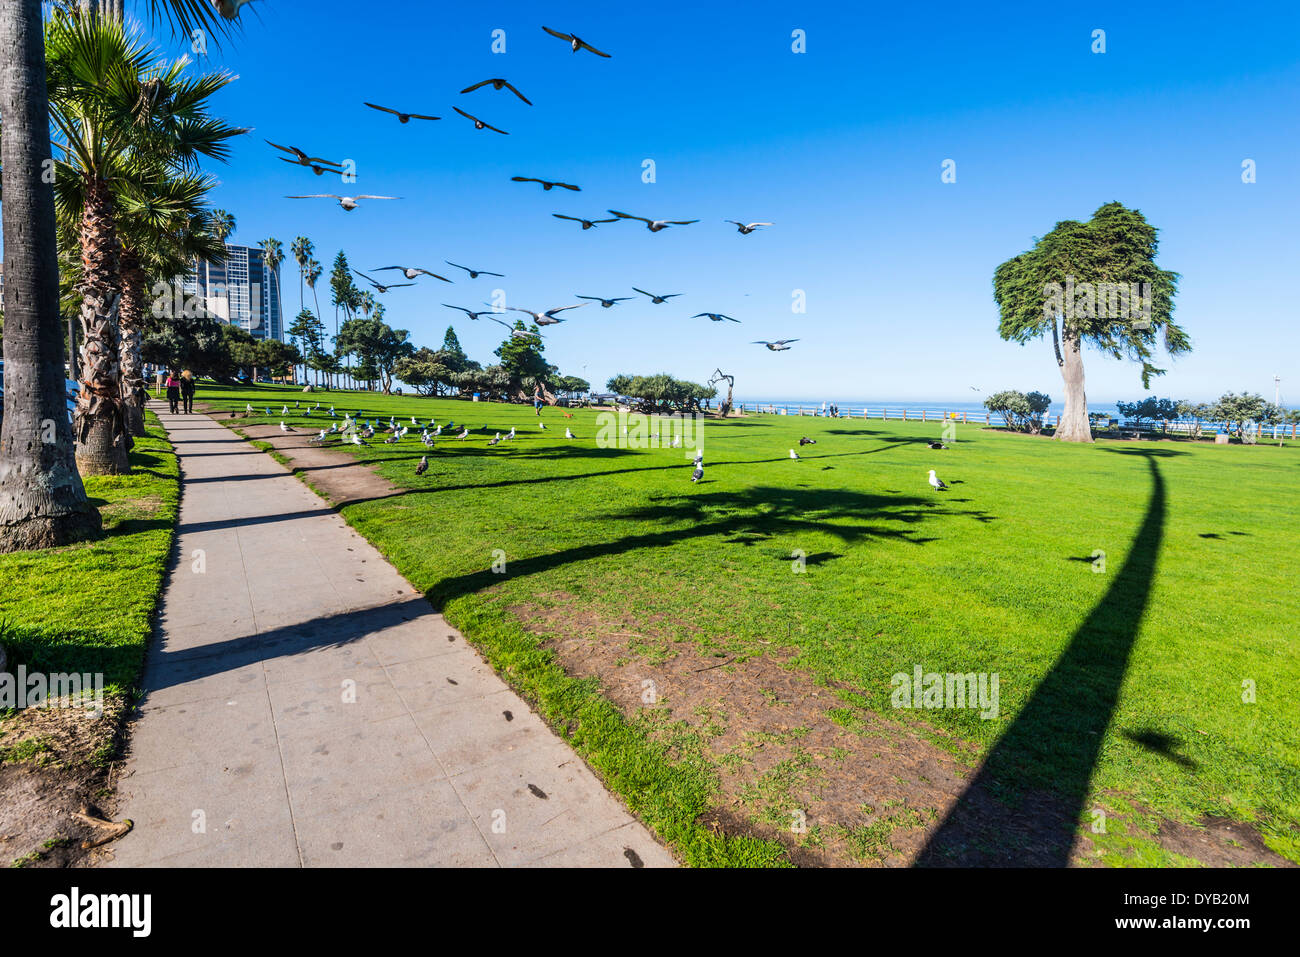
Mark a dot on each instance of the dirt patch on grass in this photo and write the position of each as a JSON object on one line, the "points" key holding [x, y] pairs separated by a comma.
{"points": [[331, 472], [836, 784], [56, 767]]}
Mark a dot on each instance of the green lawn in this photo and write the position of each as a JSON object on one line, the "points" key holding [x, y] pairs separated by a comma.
{"points": [[1120, 689], [88, 608]]}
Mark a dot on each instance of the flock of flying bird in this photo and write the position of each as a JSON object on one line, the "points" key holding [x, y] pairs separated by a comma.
{"points": [[320, 166]]}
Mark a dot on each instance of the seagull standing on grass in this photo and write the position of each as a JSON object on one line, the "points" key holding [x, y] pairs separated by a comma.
{"points": [[568, 433], [423, 466], [794, 454], [464, 434], [936, 483]]}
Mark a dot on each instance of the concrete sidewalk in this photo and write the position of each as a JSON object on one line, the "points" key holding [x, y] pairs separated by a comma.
{"points": [[305, 706]]}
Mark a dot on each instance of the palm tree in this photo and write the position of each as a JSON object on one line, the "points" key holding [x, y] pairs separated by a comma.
{"points": [[119, 114], [301, 249], [223, 224]]}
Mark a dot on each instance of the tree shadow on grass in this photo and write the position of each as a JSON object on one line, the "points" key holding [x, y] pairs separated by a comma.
{"points": [[1058, 734], [748, 515]]}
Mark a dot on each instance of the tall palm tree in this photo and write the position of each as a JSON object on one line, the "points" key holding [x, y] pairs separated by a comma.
{"points": [[117, 111], [223, 224], [42, 499], [301, 249]]}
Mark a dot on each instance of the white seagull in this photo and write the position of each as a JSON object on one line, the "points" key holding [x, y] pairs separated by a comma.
{"points": [[348, 203], [568, 433], [794, 454], [781, 345], [936, 483], [745, 228], [654, 225]]}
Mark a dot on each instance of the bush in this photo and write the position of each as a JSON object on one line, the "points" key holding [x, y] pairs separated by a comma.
{"points": [[1023, 413]]}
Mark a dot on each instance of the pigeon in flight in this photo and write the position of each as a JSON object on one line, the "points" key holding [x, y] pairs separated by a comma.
{"points": [[348, 203], [576, 42], [586, 223], [497, 84], [794, 454], [302, 159], [546, 184], [412, 272], [379, 286], [806, 441], [479, 124], [230, 8], [606, 303], [745, 228], [468, 312], [473, 273], [781, 345], [547, 318], [402, 117], [518, 333], [936, 483], [654, 225], [657, 300], [715, 316], [315, 167], [423, 466]]}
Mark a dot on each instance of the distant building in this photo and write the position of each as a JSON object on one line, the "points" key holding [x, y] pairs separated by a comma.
{"points": [[240, 290]]}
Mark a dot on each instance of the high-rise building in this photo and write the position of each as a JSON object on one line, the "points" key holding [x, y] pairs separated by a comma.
{"points": [[240, 290]]}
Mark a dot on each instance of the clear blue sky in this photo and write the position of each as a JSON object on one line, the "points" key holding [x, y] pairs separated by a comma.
{"points": [[841, 147]]}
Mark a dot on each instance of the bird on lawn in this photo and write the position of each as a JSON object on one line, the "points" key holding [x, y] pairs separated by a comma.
{"points": [[546, 184], [936, 445], [568, 433], [473, 274], [402, 117], [320, 437], [248, 408], [794, 454], [657, 300], [302, 159], [586, 223], [348, 203], [936, 483], [423, 466], [412, 272], [654, 225], [464, 434], [699, 470], [284, 410], [542, 426], [479, 124], [715, 316], [498, 84], [495, 439], [807, 441], [781, 345], [471, 314], [511, 433], [577, 43], [745, 228], [606, 303], [380, 287], [356, 439]]}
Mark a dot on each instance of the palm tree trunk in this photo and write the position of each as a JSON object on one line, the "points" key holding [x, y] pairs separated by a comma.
{"points": [[102, 441], [130, 316], [42, 500]]}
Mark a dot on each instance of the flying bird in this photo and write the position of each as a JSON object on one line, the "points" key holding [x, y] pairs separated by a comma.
{"points": [[302, 159], [715, 316], [497, 84], [781, 345], [576, 42], [349, 203], [936, 483], [654, 225], [586, 223], [230, 8], [546, 184], [423, 466], [412, 272], [547, 318], [517, 333], [606, 303], [469, 312], [657, 300], [473, 273], [745, 228], [479, 124], [402, 117], [379, 286]]}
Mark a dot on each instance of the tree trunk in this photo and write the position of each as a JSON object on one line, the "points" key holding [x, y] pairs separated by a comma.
{"points": [[130, 316], [1074, 425], [102, 441], [42, 500]]}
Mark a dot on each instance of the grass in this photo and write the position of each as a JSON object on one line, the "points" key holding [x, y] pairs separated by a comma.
{"points": [[88, 608], [1124, 681]]}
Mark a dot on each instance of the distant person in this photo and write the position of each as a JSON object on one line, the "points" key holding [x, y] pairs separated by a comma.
{"points": [[537, 399], [187, 391], [159, 378], [173, 391]]}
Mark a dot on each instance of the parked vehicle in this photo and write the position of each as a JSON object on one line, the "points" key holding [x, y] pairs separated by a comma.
{"points": [[71, 389]]}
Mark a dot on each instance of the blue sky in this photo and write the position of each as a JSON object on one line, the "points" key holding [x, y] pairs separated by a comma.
{"points": [[841, 147]]}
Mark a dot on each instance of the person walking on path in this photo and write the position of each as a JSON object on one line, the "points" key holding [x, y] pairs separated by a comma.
{"points": [[187, 391], [537, 399], [173, 391]]}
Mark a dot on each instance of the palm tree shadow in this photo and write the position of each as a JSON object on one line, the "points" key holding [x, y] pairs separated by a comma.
{"points": [[1001, 818]]}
